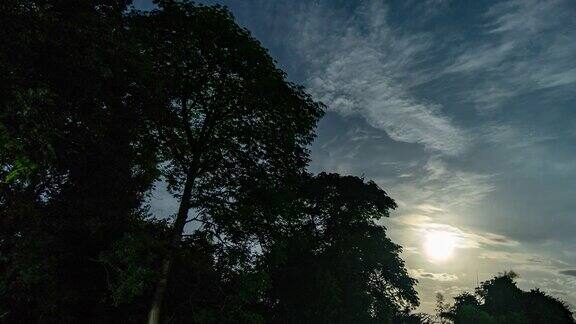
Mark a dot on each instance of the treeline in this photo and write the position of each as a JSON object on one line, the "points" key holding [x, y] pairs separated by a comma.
{"points": [[100, 103], [500, 301]]}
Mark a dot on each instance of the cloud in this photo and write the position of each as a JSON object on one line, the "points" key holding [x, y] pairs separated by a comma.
{"points": [[438, 188], [359, 67], [421, 274], [429, 208], [459, 187], [524, 261], [464, 239], [568, 272], [517, 137], [526, 46]]}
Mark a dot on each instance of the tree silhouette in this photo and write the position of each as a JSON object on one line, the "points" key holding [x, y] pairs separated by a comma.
{"points": [[74, 158], [230, 119], [499, 300], [337, 265]]}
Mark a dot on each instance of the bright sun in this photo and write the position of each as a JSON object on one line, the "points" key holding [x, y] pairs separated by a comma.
{"points": [[439, 245]]}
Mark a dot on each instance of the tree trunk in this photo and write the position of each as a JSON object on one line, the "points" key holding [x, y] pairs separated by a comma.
{"points": [[178, 227]]}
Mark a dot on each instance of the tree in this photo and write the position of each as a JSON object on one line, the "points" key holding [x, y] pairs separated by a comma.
{"points": [[542, 308], [441, 308], [466, 309], [75, 158], [500, 295], [230, 121], [202, 289], [336, 265], [499, 300], [413, 318]]}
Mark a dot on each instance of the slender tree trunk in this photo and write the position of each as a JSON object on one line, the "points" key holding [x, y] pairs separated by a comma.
{"points": [[178, 227]]}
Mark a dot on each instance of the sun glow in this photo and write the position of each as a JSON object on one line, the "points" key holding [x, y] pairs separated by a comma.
{"points": [[439, 245]]}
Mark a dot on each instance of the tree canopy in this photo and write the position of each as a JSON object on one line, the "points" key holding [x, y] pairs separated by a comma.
{"points": [[337, 265], [75, 158], [499, 300], [230, 121]]}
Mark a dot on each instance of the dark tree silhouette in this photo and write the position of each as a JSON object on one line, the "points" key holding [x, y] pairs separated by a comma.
{"points": [[499, 300], [337, 265], [74, 158], [230, 119]]}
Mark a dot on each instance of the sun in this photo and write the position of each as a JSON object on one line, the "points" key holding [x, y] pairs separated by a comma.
{"points": [[439, 245]]}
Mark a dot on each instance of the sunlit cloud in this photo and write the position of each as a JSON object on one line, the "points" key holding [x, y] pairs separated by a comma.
{"points": [[438, 188], [422, 274], [524, 261], [463, 239]]}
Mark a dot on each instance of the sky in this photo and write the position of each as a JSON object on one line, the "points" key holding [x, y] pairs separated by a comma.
{"points": [[463, 111]]}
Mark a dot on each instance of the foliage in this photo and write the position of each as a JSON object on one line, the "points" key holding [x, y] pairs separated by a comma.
{"points": [[230, 120], [346, 268], [499, 300], [75, 158]]}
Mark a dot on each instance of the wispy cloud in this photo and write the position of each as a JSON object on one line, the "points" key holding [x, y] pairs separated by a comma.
{"points": [[516, 137], [455, 186], [568, 272], [524, 261], [422, 274], [359, 66], [440, 186], [463, 238], [527, 45]]}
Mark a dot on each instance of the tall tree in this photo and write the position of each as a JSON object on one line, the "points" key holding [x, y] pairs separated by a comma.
{"points": [[230, 121], [336, 264]]}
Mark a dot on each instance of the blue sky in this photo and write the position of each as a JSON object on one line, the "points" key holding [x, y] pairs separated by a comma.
{"points": [[463, 111]]}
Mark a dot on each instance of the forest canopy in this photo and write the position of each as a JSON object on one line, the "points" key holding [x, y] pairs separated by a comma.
{"points": [[100, 104]]}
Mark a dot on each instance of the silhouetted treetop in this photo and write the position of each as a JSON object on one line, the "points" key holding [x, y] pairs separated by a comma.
{"points": [[331, 192], [499, 300], [337, 265]]}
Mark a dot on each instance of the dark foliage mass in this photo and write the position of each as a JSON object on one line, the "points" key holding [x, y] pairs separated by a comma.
{"points": [[100, 103], [346, 268], [499, 300]]}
